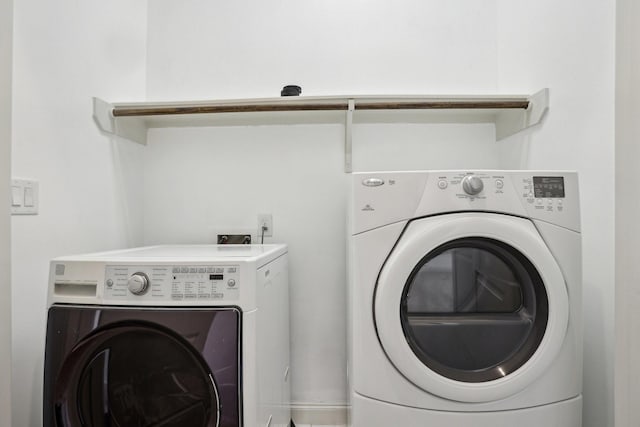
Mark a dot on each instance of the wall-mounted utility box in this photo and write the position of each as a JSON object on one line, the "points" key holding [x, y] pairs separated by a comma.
{"points": [[24, 197]]}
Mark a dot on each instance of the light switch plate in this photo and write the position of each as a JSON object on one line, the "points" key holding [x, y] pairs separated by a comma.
{"points": [[24, 197]]}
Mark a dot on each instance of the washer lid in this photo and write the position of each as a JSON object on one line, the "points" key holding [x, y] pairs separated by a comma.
{"points": [[471, 307], [184, 253]]}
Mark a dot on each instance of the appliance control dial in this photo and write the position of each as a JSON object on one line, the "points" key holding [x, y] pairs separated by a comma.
{"points": [[138, 283], [472, 185]]}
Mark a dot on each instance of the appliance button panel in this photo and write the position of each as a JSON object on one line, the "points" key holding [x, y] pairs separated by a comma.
{"points": [[465, 187], [172, 283], [545, 194]]}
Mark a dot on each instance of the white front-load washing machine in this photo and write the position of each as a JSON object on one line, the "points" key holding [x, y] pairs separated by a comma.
{"points": [[171, 336], [465, 299]]}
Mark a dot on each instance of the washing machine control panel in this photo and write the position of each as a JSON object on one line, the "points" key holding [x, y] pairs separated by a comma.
{"points": [[172, 282]]}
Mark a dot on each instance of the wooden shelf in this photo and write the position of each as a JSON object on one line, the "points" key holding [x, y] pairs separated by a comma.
{"points": [[510, 114]]}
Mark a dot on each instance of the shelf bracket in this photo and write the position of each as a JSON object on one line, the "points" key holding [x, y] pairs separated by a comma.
{"points": [[509, 123], [348, 137], [128, 128]]}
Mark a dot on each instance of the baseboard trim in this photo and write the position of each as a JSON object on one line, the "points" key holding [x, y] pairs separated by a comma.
{"points": [[319, 415]]}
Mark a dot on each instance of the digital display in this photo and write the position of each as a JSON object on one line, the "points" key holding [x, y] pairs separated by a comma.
{"points": [[548, 186], [215, 277]]}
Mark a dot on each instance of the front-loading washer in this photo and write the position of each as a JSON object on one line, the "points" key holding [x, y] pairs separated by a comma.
{"points": [[175, 336], [465, 299]]}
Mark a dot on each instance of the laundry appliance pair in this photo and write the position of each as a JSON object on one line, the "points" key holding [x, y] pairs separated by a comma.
{"points": [[465, 299], [170, 336]]}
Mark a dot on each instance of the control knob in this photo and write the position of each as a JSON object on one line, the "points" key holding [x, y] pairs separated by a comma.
{"points": [[138, 283], [472, 185]]}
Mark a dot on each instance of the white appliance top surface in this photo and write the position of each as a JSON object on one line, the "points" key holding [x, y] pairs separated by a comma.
{"points": [[174, 253]]}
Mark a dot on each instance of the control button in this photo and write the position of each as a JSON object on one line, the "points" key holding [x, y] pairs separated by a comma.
{"points": [[231, 270], [28, 197], [16, 196], [184, 269], [211, 270], [539, 201], [530, 194], [499, 184], [472, 185], [549, 201], [138, 283], [559, 202], [219, 270], [109, 283], [442, 184], [202, 270], [231, 283], [175, 270], [193, 270]]}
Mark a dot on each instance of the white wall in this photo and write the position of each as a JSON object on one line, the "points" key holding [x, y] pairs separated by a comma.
{"points": [[65, 53], [627, 378], [569, 46], [203, 49], [6, 38]]}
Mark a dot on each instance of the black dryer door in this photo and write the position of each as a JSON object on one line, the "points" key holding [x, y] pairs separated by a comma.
{"points": [[122, 367]]}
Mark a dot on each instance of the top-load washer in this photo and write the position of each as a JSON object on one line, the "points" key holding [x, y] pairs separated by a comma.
{"points": [[171, 336], [465, 299]]}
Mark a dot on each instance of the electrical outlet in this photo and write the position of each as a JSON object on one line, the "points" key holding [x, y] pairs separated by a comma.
{"points": [[265, 220], [234, 239]]}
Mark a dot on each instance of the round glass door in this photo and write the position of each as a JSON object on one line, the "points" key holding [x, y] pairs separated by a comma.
{"points": [[474, 310], [471, 307], [135, 374]]}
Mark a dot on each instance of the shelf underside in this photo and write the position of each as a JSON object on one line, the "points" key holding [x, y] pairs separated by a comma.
{"points": [[287, 105]]}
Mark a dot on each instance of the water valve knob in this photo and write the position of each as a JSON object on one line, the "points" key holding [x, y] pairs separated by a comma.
{"points": [[138, 283], [472, 185]]}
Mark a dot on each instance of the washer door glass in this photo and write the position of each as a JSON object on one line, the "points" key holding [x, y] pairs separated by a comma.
{"points": [[135, 374], [474, 310]]}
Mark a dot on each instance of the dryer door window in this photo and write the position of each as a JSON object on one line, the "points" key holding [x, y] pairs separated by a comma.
{"points": [[137, 375], [474, 310], [116, 367], [472, 307]]}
